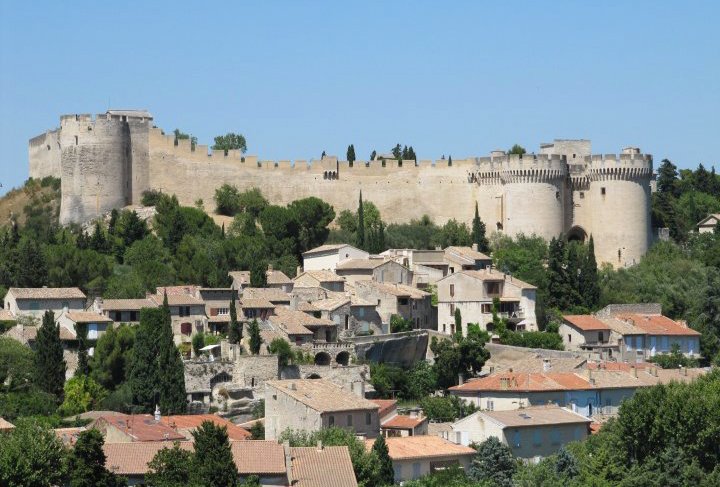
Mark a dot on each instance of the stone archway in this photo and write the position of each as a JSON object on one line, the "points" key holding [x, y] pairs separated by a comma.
{"points": [[343, 358], [322, 358], [577, 234]]}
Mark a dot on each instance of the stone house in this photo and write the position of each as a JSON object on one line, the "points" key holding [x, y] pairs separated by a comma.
{"points": [[427, 266], [302, 327], [351, 314], [321, 278], [27, 335], [250, 309], [465, 259], [398, 299], [278, 279], [217, 307], [122, 310], [95, 324], [531, 433], [473, 292], [314, 404], [240, 279], [327, 257], [34, 302], [126, 428], [374, 269], [276, 296], [187, 314], [707, 224], [416, 456]]}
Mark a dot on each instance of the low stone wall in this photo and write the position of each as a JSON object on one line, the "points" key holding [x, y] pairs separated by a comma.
{"points": [[402, 349]]}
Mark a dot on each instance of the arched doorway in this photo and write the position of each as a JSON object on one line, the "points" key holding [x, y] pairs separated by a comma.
{"points": [[323, 358], [577, 234], [343, 358]]}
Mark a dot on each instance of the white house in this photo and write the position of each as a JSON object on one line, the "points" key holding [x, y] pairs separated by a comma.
{"points": [[327, 257], [35, 301]]}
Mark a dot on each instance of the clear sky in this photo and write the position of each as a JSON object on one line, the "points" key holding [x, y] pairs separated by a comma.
{"points": [[297, 78]]}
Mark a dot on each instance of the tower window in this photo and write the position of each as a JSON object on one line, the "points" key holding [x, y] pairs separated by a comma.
{"points": [[557, 195], [582, 195], [602, 191], [76, 140]]}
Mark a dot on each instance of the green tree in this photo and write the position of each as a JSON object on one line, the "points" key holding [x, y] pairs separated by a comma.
{"points": [[478, 232], [494, 462], [183, 136], [453, 233], [110, 364], [198, 342], [589, 288], [230, 141], [235, 332], [214, 465], [171, 467], [252, 202], [82, 394], [458, 321], [281, 348], [30, 264], [255, 339], [16, 365], [257, 431], [397, 152], [171, 371], [517, 149], [227, 200], [83, 367], [399, 324], [360, 242], [445, 408], [258, 276], [351, 153], [380, 449], [312, 216], [86, 463], [31, 455], [458, 357], [557, 277], [49, 361]]}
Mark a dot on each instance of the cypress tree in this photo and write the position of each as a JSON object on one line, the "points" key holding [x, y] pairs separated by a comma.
{"points": [[361, 225], [351, 153], [589, 278], [255, 339], [573, 266], [235, 332], [170, 368], [87, 462], [449, 160], [373, 154], [213, 463], [30, 266], [458, 321], [49, 361], [478, 232], [386, 474], [557, 276], [83, 367], [143, 377]]}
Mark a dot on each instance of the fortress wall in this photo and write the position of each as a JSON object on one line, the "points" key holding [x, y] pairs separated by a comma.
{"points": [[44, 155], [140, 159], [95, 167]]}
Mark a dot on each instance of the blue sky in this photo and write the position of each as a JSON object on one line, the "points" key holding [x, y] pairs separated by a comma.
{"points": [[297, 78]]}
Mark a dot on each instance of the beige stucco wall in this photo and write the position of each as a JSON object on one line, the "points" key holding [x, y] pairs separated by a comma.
{"points": [[406, 470], [328, 260], [23, 307]]}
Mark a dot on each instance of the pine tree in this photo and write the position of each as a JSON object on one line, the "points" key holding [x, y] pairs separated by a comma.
{"points": [[83, 367], [667, 178], [86, 463], [49, 361], [397, 151], [255, 339], [557, 276], [361, 225], [373, 154], [386, 474], [235, 332], [589, 278], [144, 378], [351, 153], [258, 276], [458, 321], [31, 268], [411, 154], [449, 160], [478, 232], [170, 367], [98, 242], [213, 463]]}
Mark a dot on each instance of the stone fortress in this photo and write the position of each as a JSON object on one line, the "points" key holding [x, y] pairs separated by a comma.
{"points": [[107, 161]]}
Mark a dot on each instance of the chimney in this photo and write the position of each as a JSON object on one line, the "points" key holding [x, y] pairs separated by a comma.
{"points": [[633, 369], [460, 379], [319, 445], [157, 413], [474, 247], [546, 365], [270, 267], [292, 386], [504, 383], [288, 462]]}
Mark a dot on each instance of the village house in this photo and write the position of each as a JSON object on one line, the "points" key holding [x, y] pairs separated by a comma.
{"points": [[427, 266], [416, 456], [276, 296], [320, 278], [327, 257], [398, 299], [278, 279], [27, 335], [374, 269], [127, 428], [187, 314], [217, 307], [314, 404], [708, 224], [465, 259], [251, 309], [95, 324], [122, 310], [240, 279], [302, 327], [352, 315], [632, 333], [186, 424], [393, 424], [473, 292], [34, 302], [530, 433]]}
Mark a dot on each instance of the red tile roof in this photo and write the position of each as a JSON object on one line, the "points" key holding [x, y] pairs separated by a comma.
{"points": [[386, 405], [403, 422], [658, 325], [329, 466], [529, 382], [586, 322], [188, 423], [422, 446], [139, 427]]}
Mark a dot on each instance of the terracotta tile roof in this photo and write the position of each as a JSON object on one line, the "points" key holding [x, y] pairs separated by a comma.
{"points": [[360, 264], [277, 277], [322, 276], [289, 324], [306, 307], [330, 304], [243, 277], [527, 382], [467, 253], [67, 334], [329, 466], [422, 446], [87, 317], [139, 427], [250, 303], [269, 335], [177, 300], [290, 319], [127, 304], [534, 416], [495, 275], [324, 248], [6, 315], [259, 457], [272, 294], [322, 395], [6, 425], [188, 423], [25, 334], [68, 435], [595, 427], [177, 290], [385, 405], [622, 327], [399, 290], [586, 322], [658, 325], [46, 293], [404, 422]]}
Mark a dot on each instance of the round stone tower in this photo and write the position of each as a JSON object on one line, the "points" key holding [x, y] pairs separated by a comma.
{"points": [[95, 165], [533, 194], [619, 197]]}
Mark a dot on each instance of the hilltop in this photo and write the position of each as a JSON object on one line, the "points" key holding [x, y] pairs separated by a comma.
{"points": [[35, 197]]}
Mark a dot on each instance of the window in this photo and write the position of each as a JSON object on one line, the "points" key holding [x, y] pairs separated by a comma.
{"points": [[398, 471], [487, 308], [516, 439], [331, 420], [555, 436], [557, 195], [490, 405], [34, 305], [492, 288], [602, 191], [349, 420], [582, 195], [403, 301], [569, 338], [361, 312], [452, 309], [416, 470], [66, 305], [133, 316], [368, 418], [452, 289], [537, 438], [92, 331], [223, 311], [601, 336]]}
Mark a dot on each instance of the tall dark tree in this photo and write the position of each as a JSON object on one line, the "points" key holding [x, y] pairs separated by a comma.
{"points": [[351, 153], [458, 320], [709, 322], [517, 149], [86, 463], [478, 232], [494, 463], [213, 464], [258, 276], [235, 331], [360, 242], [170, 367], [667, 179], [255, 338], [49, 361], [373, 154], [171, 467], [83, 366], [703, 180], [397, 151], [559, 292], [30, 264], [589, 278], [386, 473]]}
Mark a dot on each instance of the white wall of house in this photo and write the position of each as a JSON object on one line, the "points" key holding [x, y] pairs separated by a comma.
{"points": [[330, 259], [37, 307]]}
